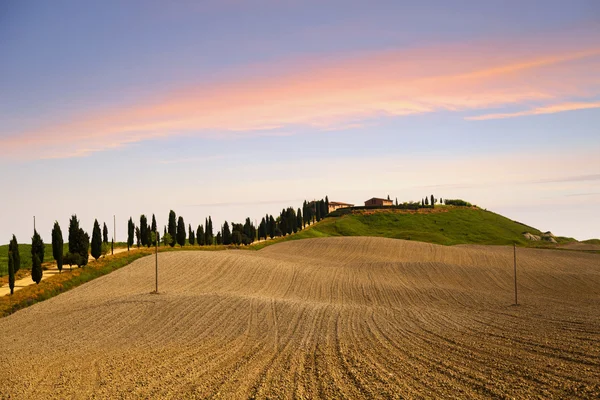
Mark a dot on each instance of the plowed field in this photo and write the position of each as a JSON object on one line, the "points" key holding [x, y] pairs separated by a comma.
{"points": [[320, 318]]}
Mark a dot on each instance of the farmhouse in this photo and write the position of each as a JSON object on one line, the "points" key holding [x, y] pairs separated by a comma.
{"points": [[334, 205], [378, 202]]}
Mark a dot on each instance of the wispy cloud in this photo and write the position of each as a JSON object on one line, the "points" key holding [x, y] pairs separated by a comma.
{"points": [[557, 108], [575, 178], [336, 93]]}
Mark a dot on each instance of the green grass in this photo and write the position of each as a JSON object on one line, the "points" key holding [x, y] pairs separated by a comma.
{"points": [[454, 225], [592, 241]]}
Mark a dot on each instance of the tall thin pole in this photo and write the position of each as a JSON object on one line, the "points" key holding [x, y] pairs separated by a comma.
{"points": [[515, 257], [114, 233], [156, 259], [34, 223]]}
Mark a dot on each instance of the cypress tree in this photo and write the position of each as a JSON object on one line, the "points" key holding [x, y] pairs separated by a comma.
{"points": [[154, 228], [192, 238], [144, 232], [14, 247], [105, 234], [324, 210], [36, 269], [200, 235], [396, 201], [299, 220], [138, 236], [73, 233], [181, 232], [130, 233], [219, 238], [327, 206], [226, 234], [11, 272], [83, 244], [57, 245], [318, 212], [96, 241], [172, 227], [37, 254], [272, 227], [211, 234], [37, 246], [432, 201], [426, 201]]}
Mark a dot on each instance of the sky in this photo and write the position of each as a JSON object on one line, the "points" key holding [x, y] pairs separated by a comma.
{"points": [[236, 109]]}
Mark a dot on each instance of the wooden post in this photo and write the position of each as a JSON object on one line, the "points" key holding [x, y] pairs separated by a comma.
{"points": [[156, 260], [515, 259]]}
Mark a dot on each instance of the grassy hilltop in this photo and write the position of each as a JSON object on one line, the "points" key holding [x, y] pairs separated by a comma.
{"points": [[446, 225]]}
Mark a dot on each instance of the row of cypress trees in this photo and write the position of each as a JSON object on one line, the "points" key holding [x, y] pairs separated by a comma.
{"points": [[79, 244]]}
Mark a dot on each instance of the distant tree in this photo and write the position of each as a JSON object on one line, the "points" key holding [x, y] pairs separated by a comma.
{"points": [[432, 201], [96, 241], [37, 246], [138, 236], [83, 245], [104, 233], [71, 259], [167, 239], [396, 201], [144, 231], [299, 219], [73, 233], [236, 237], [200, 235], [130, 233], [422, 202], [219, 238], [441, 201], [181, 232], [154, 228], [172, 227], [209, 232], [318, 213], [272, 227], [14, 247], [226, 234], [57, 245], [36, 268], [104, 249], [426, 201], [191, 235], [37, 254], [326, 205], [11, 272]]}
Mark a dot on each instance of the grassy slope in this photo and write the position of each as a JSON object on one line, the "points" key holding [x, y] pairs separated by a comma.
{"points": [[448, 226], [592, 241]]}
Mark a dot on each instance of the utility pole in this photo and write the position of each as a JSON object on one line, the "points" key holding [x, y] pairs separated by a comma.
{"points": [[515, 258], [34, 223], [114, 233], [156, 259]]}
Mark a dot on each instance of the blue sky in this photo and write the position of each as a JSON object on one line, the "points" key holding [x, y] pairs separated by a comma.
{"points": [[235, 109]]}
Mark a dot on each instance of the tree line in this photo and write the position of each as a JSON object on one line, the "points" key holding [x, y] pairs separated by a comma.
{"points": [[80, 246]]}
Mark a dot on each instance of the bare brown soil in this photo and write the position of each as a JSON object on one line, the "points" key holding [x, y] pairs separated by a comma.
{"points": [[320, 318]]}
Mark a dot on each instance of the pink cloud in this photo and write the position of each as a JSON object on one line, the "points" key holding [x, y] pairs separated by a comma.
{"points": [[334, 93], [557, 108]]}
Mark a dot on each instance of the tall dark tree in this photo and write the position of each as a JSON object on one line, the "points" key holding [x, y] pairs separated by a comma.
{"points": [[138, 236], [219, 239], [432, 201], [318, 213], [37, 254], [208, 231], [262, 230], [396, 201], [57, 245], [181, 232], [200, 235], [36, 269], [172, 227], [83, 245], [11, 272], [326, 206], [96, 241], [14, 247], [299, 220], [426, 201], [272, 227], [226, 234], [154, 228], [144, 231], [37, 246], [130, 233], [73, 233], [105, 234], [324, 210]]}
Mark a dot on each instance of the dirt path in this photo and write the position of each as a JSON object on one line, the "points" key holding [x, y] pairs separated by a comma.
{"points": [[318, 318], [51, 271]]}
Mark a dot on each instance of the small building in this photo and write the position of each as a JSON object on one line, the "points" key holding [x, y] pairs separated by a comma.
{"points": [[378, 202], [334, 205]]}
